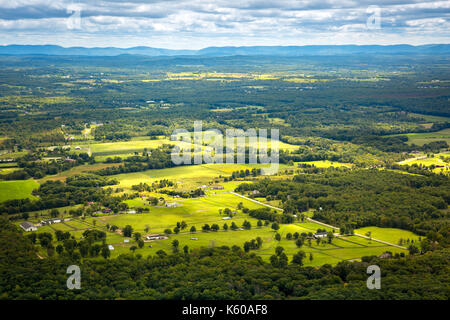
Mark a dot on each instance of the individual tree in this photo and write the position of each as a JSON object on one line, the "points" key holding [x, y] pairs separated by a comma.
{"points": [[259, 241], [277, 236], [275, 226], [175, 244], [413, 249], [54, 213], [106, 253], [59, 249], [298, 258], [83, 248], [330, 236], [274, 261], [127, 231], [279, 250], [282, 260]]}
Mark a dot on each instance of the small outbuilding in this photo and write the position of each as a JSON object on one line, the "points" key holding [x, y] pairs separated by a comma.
{"points": [[172, 204], [321, 234], [155, 237]]}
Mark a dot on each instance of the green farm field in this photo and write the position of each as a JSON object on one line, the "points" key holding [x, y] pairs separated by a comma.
{"points": [[185, 176], [434, 160], [20, 189], [426, 137], [137, 144], [189, 177], [348, 248], [197, 212], [391, 235]]}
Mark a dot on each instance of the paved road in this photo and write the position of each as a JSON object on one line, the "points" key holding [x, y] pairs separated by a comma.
{"points": [[381, 241], [318, 222], [256, 201]]}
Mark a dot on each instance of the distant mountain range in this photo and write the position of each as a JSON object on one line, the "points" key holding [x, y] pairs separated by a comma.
{"points": [[437, 49]]}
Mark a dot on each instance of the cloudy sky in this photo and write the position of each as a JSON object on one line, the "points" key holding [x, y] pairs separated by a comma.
{"points": [[194, 24]]}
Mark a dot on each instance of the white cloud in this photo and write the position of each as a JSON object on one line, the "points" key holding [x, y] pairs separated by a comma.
{"points": [[228, 22]]}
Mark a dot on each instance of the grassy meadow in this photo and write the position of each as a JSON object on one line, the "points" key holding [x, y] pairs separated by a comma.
{"points": [[20, 189]]}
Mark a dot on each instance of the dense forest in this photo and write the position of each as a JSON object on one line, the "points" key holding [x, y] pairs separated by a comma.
{"points": [[365, 197]]}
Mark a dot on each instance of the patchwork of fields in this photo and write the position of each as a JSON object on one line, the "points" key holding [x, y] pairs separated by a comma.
{"points": [[426, 137], [434, 160], [205, 210], [197, 212]]}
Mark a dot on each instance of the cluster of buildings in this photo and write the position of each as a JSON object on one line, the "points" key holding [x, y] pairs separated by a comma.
{"points": [[155, 237], [28, 226], [215, 187]]}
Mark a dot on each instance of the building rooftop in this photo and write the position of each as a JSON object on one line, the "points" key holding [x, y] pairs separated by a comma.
{"points": [[26, 225]]}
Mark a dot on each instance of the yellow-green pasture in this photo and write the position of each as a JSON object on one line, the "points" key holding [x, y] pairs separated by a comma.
{"points": [[391, 235], [426, 137], [189, 177], [13, 155], [137, 144], [327, 164], [77, 170], [20, 189], [434, 160], [195, 212], [342, 248]]}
